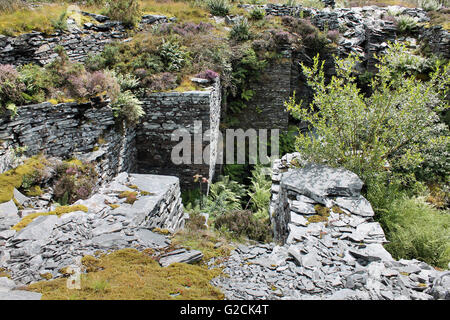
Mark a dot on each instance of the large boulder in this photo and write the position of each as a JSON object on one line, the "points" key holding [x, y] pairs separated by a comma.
{"points": [[320, 182]]}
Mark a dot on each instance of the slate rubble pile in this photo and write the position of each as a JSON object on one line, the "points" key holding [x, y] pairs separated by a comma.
{"points": [[50, 243], [340, 258]]}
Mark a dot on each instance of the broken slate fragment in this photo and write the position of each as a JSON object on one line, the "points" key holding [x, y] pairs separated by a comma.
{"points": [[180, 256], [39, 229], [356, 205], [152, 239]]}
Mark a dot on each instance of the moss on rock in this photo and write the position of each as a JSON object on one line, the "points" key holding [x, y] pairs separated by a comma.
{"points": [[131, 196], [317, 218], [322, 210], [58, 211], [131, 274], [14, 178]]}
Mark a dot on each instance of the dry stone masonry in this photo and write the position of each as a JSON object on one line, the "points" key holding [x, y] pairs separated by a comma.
{"points": [[340, 258], [51, 243], [79, 42], [170, 111], [87, 131]]}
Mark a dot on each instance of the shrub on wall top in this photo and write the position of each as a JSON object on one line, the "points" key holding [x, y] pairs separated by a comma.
{"points": [[218, 7], [126, 11]]}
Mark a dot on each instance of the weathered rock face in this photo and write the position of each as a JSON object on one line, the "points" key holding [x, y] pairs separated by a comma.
{"points": [[340, 257], [167, 112], [297, 192], [49, 243], [66, 130]]}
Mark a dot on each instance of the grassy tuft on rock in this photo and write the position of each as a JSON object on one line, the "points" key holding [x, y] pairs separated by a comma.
{"points": [[128, 274]]}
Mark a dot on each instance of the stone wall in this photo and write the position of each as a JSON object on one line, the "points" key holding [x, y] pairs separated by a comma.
{"points": [[86, 131], [169, 111], [78, 41], [266, 108], [364, 30]]}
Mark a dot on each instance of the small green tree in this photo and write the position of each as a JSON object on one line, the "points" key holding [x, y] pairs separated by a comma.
{"points": [[367, 134]]}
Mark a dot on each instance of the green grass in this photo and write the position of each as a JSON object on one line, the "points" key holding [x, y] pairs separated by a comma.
{"points": [[417, 231], [26, 20]]}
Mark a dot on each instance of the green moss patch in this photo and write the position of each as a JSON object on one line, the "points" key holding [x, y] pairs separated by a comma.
{"points": [[58, 211], [336, 209], [317, 218], [14, 178], [132, 275], [131, 196], [322, 211]]}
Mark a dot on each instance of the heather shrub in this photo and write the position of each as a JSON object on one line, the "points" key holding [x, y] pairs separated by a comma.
{"points": [[38, 82], [268, 42], [316, 42], [242, 223], [333, 35], [302, 27], [160, 82], [61, 69], [86, 85], [282, 38], [191, 28], [208, 74], [11, 88], [75, 180], [9, 5]]}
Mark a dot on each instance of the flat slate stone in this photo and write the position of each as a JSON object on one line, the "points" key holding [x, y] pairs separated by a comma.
{"points": [[298, 219], [152, 239], [107, 228], [181, 256], [21, 199], [372, 252], [109, 240], [39, 229], [20, 295], [356, 205], [153, 183], [318, 182], [8, 209], [302, 207], [6, 284], [7, 234]]}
